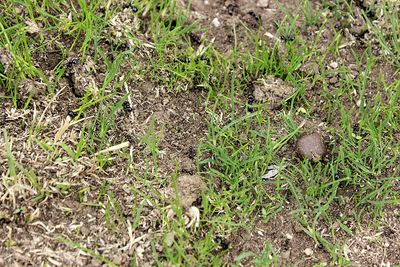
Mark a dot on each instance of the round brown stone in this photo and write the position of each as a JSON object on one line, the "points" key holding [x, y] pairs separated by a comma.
{"points": [[311, 146]]}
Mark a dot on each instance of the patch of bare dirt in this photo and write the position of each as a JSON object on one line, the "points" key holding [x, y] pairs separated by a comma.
{"points": [[287, 238], [229, 21], [376, 246], [175, 121], [272, 90]]}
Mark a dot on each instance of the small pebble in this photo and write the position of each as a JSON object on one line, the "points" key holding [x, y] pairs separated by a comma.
{"points": [[308, 251], [358, 103], [333, 80], [311, 146], [134, 9], [289, 236], [216, 22], [334, 65], [263, 3]]}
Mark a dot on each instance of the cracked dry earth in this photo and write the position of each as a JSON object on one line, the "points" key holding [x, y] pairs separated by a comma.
{"points": [[73, 210]]}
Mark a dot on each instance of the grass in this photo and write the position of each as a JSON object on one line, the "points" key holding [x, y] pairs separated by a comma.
{"points": [[157, 44]]}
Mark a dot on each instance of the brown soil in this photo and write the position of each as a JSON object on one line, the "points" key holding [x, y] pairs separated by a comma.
{"points": [[287, 238], [190, 188], [31, 231]]}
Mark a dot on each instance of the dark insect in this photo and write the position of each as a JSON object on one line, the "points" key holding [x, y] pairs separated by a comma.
{"points": [[132, 7], [191, 153], [157, 224], [202, 167], [122, 47], [72, 114], [129, 138], [195, 38], [102, 10], [388, 232], [230, 38], [358, 130], [287, 38], [359, 36], [255, 16], [232, 9], [190, 172], [360, 4], [250, 101], [127, 107], [205, 59], [171, 24], [20, 103], [356, 127], [71, 62], [337, 25], [110, 57], [220, 241], [184, 60], [286, 244]]}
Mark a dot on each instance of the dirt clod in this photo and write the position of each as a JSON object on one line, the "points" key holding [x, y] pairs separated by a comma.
{"points": [[311, 146], [190, 188], [272, 90]]}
